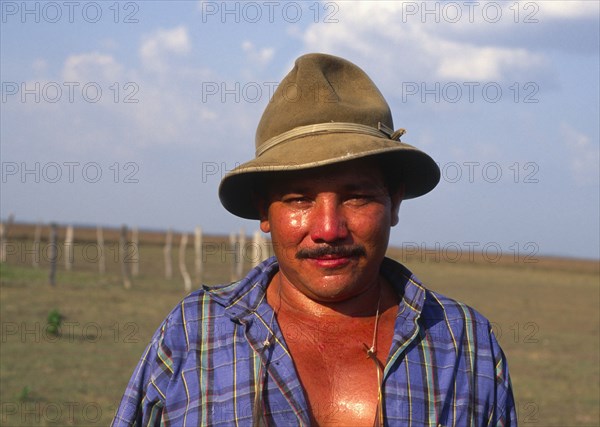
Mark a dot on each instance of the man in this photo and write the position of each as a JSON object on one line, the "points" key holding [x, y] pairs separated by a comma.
{"points": [[329, 331]]}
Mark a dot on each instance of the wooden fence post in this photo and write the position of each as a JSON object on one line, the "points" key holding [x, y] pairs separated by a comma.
{"points": [[167, 254], [4, 229], [69, 253], [101, 258], [53, 254], [240, 254], [187, 281], [37, 236], [233, 250], [258, 245], [2, 242], [198, 254], [135, 261], [125, 270]]}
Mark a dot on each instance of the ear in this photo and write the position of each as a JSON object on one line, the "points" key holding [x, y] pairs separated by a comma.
{"points": [[265, 226], [262, 207], [396, 199]]}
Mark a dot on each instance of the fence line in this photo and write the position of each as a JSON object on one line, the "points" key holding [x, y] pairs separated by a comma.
{"points": [[261, 250], [69, 255], [121, 248], [239, 258], [124, 254], [135, 262], [4, 230], [37, 237], [53, 254], [198, 253], [101, 257], [167, 254], [187, 280], [232, 249]]}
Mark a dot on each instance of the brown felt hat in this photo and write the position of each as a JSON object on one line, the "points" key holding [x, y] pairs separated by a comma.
{"points": [[325, 111]]}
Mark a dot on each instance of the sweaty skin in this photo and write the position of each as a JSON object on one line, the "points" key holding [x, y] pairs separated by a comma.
{"points": [[330, 229]]}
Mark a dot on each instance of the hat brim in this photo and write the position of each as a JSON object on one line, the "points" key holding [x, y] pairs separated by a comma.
{"points": [[410, 166]]}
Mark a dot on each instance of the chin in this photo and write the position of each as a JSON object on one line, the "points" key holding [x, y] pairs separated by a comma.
{"points": [[336, 290]]}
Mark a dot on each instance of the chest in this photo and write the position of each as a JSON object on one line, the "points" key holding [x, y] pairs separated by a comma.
{"points": [[340, 381]]}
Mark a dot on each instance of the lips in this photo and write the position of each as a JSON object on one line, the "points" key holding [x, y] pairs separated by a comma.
{"points": [[331, 261], [330, 256]]}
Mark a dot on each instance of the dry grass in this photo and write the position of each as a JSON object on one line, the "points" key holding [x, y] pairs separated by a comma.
{"points": [[545, 314]]}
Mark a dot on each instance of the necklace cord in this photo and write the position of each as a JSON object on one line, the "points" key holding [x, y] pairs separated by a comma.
{"points": [[257, 413], [259, 421], [372, 354]]}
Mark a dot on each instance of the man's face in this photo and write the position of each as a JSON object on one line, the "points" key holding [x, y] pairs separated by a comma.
{"points": [[330, 228]]}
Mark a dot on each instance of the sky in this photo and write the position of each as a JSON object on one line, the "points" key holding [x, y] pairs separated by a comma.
{"points": [[130, 112]]}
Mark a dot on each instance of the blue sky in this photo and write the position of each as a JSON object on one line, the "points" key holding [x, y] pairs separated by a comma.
{"points": [[130, 112]]}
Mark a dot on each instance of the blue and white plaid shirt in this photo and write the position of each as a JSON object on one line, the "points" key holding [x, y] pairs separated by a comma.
{"points": [[444, 367]]}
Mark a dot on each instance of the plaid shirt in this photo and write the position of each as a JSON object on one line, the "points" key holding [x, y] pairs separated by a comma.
{"points": [[201, 367]]}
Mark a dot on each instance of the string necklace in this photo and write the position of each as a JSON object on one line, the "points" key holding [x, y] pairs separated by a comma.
{"points": [[257, 418], [372, 354], [372, 351], [267, 341]]}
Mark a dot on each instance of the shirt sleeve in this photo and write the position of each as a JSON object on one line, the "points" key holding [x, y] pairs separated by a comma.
{"points": [[504, 413], [143, 402]]}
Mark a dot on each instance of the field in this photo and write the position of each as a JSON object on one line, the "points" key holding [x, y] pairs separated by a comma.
{"points": [[545, 314]]}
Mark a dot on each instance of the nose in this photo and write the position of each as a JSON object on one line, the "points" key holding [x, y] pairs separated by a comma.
{"points": [[328, 221]]}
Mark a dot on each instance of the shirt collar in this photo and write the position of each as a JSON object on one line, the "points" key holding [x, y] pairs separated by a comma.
{"points": [[245, 296]]}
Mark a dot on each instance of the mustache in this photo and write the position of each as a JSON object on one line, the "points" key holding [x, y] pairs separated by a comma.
{"points": [[341, 251]]}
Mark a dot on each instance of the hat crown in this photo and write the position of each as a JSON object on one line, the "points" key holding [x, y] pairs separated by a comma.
{"points": [[321, 89], [325, 111]]}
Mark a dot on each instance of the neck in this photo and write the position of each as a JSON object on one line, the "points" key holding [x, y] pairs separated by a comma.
{"points": [[284, 296]]}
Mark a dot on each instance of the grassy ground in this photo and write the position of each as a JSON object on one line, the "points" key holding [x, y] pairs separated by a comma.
{"points": [[545, 314], [547, 322]]}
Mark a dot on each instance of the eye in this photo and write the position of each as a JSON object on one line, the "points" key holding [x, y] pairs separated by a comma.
{"points": [[296, 199], [359, 198]]}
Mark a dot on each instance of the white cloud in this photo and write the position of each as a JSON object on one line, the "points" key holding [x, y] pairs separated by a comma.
{"points": [[259, 56], [161, 43], [461, 61], [134, 107], [570, 9], [91, 67], [396, 37], [584, 156]]}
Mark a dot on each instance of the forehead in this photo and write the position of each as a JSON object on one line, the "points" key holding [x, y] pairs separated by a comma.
{"points": [[336, 177]]}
